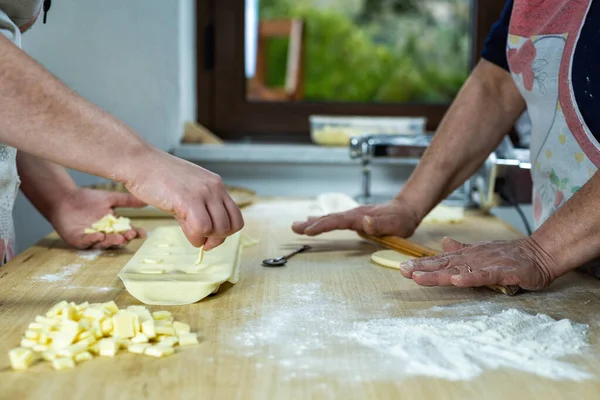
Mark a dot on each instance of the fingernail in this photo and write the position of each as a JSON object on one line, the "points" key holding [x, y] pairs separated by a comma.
{"points": [[418, 273], [407, 266], [368, 220], [311, 227]]}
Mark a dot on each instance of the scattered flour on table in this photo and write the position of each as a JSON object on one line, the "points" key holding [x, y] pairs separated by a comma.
{"points": [[93, 288], [461, 349], [453, 348], [62, 274], [89, 255]]}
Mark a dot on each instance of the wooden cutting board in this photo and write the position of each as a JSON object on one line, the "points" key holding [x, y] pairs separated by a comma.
{"points": [[257, 336]]}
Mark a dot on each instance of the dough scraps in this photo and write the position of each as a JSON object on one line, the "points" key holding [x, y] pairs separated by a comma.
{"points": [[330, 203], [164, 271], [390, 258], [110, 224], [444, 214]]}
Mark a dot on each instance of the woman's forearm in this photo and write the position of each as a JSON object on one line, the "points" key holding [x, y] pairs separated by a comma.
{"points": [[571, 236], [483, 112], [43, 117], [44, 183]]}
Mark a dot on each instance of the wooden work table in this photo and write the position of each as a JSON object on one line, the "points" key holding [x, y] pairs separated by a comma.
{"points": [[260, 338]]}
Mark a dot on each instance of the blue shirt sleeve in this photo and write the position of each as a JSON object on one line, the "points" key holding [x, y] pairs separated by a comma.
{"points": [[494, 49]]}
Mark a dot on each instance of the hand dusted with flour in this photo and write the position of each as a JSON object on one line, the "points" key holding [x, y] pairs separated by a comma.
{"points": [[520, 262]]}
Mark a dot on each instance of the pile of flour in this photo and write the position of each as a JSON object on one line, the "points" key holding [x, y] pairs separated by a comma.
{"points": [[461, 349], [311, 334]]}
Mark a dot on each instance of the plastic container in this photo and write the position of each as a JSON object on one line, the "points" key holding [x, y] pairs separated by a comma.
{"points": [[337, 131]]}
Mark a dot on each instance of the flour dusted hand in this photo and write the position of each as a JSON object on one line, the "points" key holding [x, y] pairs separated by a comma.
{"points": [[519, 262], [393, 218]]}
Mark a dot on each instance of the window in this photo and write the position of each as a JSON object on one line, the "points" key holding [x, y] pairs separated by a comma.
{"points": [[265, 66]]}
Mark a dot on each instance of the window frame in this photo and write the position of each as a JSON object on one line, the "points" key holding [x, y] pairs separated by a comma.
{"points": [[222, 103]]}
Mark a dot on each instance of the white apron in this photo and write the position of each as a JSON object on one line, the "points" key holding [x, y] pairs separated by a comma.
{"points": [[541, 45]]}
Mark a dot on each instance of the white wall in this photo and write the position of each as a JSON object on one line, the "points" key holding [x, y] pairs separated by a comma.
{"points": [[134, 58]]}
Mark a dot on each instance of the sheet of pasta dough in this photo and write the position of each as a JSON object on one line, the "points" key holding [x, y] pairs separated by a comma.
{"points": [[163, 270], [390, 258]]}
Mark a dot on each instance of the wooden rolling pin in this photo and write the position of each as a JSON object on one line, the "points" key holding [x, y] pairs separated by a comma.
{"points": [[412, 249]]}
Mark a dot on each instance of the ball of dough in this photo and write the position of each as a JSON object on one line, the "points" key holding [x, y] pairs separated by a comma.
{"points": [[390, 258]]}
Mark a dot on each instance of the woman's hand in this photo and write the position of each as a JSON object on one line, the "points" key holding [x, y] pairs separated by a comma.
{"points": [[393, 218], [81, 208], [519, 262]]}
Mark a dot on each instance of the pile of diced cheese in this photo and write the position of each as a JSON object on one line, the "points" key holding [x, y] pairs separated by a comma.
{"points": [[110, 224], [70, 333]]}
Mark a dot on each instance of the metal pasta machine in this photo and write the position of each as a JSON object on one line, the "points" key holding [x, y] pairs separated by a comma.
{"points": [[478, 191]]}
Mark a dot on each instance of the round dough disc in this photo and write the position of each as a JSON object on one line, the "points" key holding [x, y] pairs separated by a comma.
{"points": [[390, 258]]}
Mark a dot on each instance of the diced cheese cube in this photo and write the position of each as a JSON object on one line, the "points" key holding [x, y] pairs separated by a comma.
{"points": [[90, 341], [46, 321], [82, 306], [140, 338], [164, 330], [32, 334], [106, 326], [148, 329], [62, 339], [170, 341], [152, 261], [84, 356], [181, 328], [137, 328], [94, 348], [111, 306], [121, 227], [142, 313], [152, 271], [68, 313], [54, 311], [40, 348], [85, 324], [123, 325], [95, 313], [49, 355], [161, 315], [97, 330], [21, 358], [74, 349], [187, 339], [108, 347], [28, 343], [36, 326], [85, 335], [44, 338], [138, 348], [63, 363], [69, 325], [159, 350]]}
